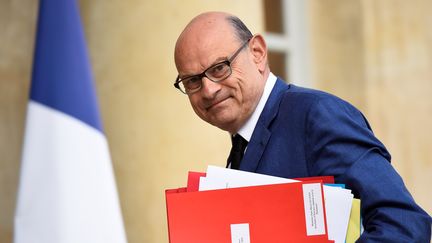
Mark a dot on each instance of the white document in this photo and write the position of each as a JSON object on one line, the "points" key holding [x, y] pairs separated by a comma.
{"points": [[240, 233], [313, 208], [338, 200], [220, 178]]}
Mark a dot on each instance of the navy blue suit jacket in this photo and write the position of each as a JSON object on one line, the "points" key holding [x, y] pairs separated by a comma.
{"points": [[303, 132]]}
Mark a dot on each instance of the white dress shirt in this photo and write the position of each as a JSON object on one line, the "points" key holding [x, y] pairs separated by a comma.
{"points": [[247, 129]]}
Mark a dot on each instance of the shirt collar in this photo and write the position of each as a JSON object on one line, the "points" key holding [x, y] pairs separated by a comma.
{"points": [[247, 129]]}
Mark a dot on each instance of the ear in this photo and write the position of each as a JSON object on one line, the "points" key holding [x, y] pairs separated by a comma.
{"points": [[258, 48]]}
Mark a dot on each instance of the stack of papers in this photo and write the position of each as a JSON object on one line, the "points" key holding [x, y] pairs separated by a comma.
{"points": [[225, 205]]}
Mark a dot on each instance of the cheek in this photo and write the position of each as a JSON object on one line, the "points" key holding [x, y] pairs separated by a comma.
{"points": [[193, 102], [243, 85], [196, 106]]}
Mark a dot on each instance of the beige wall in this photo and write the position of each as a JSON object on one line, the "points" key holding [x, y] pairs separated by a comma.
{"points": [[376, 54], [336, 43]]}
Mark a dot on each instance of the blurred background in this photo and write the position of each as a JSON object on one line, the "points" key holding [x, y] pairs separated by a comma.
{"points": [[375, 54]]}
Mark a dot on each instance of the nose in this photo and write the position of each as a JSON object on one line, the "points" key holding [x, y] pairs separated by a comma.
{"points": [[209, 88]]}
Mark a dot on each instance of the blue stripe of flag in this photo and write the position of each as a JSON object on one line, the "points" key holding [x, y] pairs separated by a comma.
{"points": [[62, 77]]}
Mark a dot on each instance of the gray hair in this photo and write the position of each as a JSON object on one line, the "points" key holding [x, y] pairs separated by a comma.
{"points": [[242, 32]]}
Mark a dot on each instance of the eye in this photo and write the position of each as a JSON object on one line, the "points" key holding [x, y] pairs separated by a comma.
{"points": [[218, 70], [192, 82]]}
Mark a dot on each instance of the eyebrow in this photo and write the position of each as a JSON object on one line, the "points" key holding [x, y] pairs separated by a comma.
{"points": [[216, 61]]}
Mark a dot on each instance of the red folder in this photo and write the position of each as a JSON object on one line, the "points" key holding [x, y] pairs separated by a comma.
{"points": [[324, 179], [194, 180], [273, 213]]}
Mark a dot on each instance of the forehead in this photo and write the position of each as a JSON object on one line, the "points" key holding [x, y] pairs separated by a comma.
{"points": [[202, 44]]}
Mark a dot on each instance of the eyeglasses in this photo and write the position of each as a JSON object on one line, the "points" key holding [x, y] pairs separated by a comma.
{"points": [[216, 73]]}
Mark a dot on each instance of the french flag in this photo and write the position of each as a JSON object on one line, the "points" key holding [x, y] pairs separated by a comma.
{"points": [[67, 191]]}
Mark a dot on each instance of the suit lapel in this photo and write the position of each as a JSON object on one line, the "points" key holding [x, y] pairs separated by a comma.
{"points": [[261, 134]]}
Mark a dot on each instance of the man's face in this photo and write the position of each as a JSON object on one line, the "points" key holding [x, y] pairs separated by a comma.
{"points": [[229, 103]]}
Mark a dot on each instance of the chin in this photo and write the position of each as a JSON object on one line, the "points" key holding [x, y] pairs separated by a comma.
{"points": [[225, 124]]}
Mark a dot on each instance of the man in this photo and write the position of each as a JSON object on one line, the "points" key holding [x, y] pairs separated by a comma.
{"points": [[291, 131]]}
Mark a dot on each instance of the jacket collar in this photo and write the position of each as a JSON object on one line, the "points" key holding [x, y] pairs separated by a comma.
{"points": [[261, 133]]}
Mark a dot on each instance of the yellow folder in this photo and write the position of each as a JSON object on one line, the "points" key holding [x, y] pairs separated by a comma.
{"points": [[353, 232]]}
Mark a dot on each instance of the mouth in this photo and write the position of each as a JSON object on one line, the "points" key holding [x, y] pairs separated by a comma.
{"points": [[215, 104]]}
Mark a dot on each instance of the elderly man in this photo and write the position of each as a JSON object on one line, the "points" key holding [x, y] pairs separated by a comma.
{"points": [[291, 131]]}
